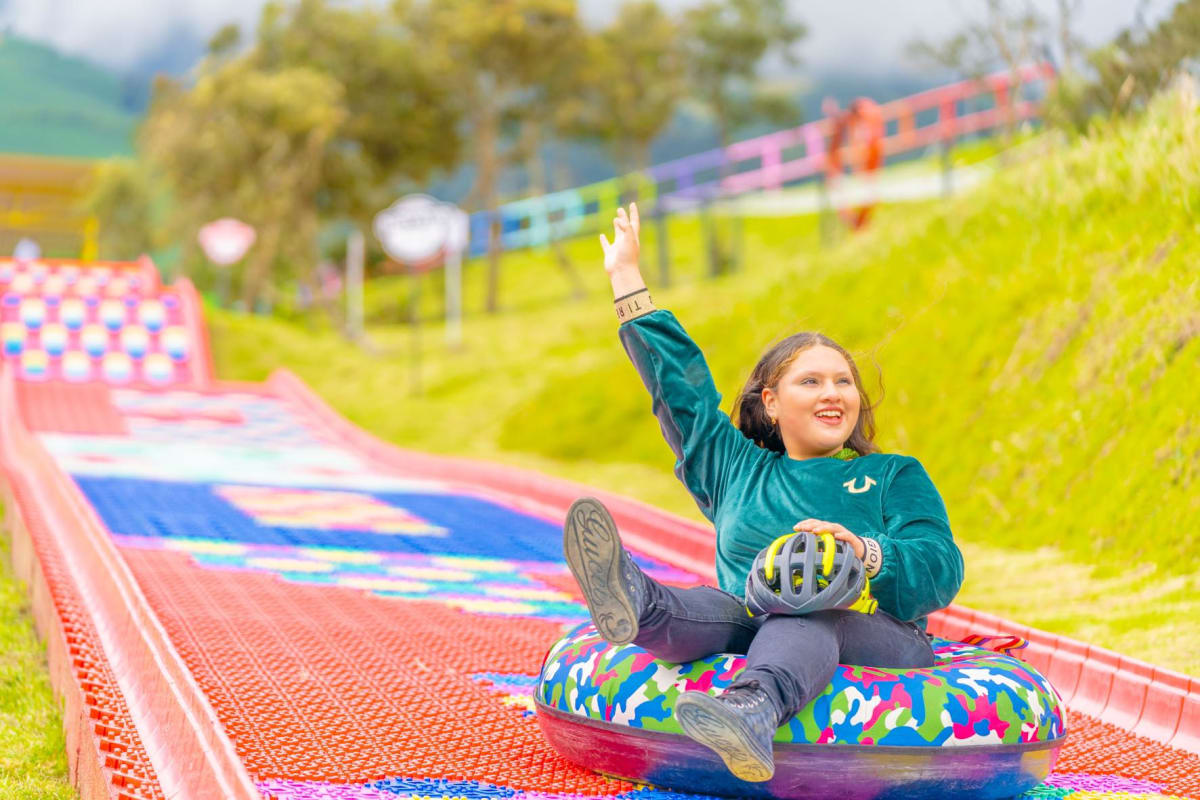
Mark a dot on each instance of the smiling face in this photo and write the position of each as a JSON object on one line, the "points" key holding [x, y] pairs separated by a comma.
{"points": [[815, 401]]}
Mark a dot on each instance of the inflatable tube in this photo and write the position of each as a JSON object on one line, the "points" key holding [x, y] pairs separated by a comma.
{"points": [[977, 724]]}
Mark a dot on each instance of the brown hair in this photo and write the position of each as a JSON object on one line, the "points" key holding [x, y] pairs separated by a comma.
{"points": [[750, 415]]}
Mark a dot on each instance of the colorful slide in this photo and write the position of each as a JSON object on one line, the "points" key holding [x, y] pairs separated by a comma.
{"points": [[244, 596]]}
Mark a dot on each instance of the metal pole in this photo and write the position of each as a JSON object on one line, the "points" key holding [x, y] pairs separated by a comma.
{"points": [[664, 260], [414, 321], [355, 247], [223, 285], [826, 218], [947, 111], [739, 235], [454, 297], [947, 169]]}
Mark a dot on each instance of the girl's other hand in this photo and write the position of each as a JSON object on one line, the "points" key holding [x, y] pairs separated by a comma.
{"points": [[622, 254], [839, 532]]}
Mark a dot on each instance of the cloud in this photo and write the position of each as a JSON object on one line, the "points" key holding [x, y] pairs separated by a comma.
{"points": [[864, 34], [871, 35], [122, 33]]}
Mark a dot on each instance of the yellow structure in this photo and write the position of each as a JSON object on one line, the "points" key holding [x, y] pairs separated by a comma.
{"points": [[42, 198]]}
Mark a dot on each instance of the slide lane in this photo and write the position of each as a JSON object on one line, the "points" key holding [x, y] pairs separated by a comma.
{"points": [[245, 596]]}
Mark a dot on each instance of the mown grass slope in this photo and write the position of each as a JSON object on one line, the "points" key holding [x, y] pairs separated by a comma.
{"points": [[1037, 339]]}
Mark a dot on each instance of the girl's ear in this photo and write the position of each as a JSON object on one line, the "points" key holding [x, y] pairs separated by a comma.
{"points": [[769, 400]]}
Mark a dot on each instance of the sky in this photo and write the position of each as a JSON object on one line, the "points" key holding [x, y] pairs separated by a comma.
{"points": [[865, 35]]}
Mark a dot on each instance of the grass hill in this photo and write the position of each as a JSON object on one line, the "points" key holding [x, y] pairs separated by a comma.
{"points": [[1038, 340], [55, 105]]}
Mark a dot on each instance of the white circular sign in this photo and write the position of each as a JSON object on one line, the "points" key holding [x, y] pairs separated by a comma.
{"points": [[226, 240], [418, 227]]}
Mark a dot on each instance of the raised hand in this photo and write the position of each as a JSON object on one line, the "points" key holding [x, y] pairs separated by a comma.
{"points": [[622, 254]]}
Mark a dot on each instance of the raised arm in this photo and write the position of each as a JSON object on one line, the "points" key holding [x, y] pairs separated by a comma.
{"points": [[630, 294], [683, 396]]}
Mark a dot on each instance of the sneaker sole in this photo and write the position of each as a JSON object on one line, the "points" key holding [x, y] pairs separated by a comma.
{"points": [[706, 720], [592, 547]]}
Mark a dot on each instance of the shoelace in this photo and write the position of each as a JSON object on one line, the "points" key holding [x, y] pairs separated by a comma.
{"points": [[746, 698]]}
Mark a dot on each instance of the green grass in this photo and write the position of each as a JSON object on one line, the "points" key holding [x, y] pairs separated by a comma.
{"points": [[33, 759], [1038, 340]]}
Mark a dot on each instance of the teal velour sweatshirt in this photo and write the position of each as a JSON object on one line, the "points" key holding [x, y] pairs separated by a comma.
{"points": [[753, 495]]}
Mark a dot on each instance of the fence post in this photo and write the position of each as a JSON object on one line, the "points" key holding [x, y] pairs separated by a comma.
{"points": [[664, 259], [772, 162], [355, 247], [946, 116]]}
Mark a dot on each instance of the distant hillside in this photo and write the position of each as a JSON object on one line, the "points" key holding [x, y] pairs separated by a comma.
{"points": [[56, 105]]}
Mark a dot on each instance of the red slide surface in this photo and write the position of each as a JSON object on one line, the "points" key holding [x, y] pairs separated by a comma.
{"points": [[243, 595]]}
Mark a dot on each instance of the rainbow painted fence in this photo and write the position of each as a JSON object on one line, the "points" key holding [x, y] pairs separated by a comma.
{"points": [[779, 159], [244, 596]]}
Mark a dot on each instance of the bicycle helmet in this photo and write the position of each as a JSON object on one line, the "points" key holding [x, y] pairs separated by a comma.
{"points": [[802, 572]]}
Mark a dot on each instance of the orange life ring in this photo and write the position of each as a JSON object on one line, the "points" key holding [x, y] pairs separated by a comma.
{"points": [[858, 132]]}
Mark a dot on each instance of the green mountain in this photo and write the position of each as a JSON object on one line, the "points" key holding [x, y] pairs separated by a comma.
{"points": [[55, 105]]}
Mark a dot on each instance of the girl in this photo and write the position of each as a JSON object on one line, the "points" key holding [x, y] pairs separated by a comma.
{"points": [[801, 450]]}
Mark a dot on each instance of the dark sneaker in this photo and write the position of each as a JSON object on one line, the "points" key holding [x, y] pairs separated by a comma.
{"points": [[738, 725], [611, 582]]}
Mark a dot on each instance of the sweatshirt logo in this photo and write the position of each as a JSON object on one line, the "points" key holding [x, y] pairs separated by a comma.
{"points": [[866, 487]]}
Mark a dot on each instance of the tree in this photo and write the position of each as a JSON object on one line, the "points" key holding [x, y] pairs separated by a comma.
{"points": [[496, 53], [1121, 76], [725, 42], [552, 106], [402, 118], [324, 117], [629, 90], [225, 41], [635, 82], [250, 144], [1115, 78], [1007, 37], [121, 198]]}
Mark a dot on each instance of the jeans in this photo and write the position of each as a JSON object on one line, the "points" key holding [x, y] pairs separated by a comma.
{"points": [[792, 658]]}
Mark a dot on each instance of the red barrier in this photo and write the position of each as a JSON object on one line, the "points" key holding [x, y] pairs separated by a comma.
{"points": [[1150, 701], [186, 746], [202, 361], [1066, 665], [1187, 734], [1163, 706]]}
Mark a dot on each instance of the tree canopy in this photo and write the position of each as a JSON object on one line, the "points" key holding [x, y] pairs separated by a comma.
{"points": [[327, 110]]}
